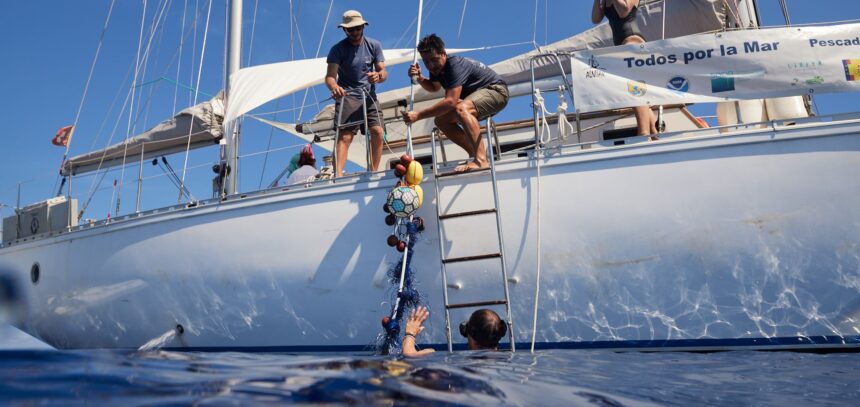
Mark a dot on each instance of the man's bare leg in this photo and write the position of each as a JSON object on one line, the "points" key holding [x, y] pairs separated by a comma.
{"points": [[448, 124], [467, 116], [376, 137], [343, 143]]}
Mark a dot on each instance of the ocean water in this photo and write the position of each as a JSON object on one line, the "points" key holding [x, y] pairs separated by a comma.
{"points": [[546, 378]]}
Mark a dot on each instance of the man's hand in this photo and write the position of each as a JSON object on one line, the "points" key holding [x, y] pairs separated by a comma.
{"points": [[414, 71], [337, 92], [414, 326], [374, 77], [415, 322], [409, 117]]}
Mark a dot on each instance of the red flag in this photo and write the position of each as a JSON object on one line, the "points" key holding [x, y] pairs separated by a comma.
{"points": [[62, 137]]}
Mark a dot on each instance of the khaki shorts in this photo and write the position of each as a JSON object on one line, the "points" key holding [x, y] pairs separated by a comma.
{"points": [[352, 119], [490, 100]]}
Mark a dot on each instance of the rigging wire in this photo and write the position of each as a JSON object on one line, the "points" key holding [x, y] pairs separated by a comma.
{"points": [[253, 29], [133, 83], [179, 63], [196, 94], [304, 104], [156, 22], [534, 29], [94, 187], [462, 15], [86, 88], [154, 63]]}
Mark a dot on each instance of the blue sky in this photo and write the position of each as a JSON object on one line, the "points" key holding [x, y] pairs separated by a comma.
{"points": [[47, 47]]}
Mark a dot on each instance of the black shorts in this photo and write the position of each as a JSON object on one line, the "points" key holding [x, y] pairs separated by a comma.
{"points": [[352, 117]]}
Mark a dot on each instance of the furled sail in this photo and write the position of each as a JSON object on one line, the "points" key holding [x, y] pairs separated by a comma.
{"points": [[195, 127], [683, 17]]}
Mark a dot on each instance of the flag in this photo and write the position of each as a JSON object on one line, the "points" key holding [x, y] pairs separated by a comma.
{"points": [[852, 69], [63, 136]]}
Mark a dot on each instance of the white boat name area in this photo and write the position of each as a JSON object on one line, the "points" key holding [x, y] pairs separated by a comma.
{"points": [[715, 67], [690, 56]]}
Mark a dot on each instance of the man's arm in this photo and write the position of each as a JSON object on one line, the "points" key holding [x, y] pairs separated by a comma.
{"points": [[597, 11], [414, 326], [447, 104], [331, 82], [380, 75]]}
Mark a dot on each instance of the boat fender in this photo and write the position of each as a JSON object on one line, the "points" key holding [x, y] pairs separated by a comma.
{"points": [[414, 173]]}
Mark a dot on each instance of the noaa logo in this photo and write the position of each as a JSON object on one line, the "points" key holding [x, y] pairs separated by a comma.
{"points": [[678, 84]]}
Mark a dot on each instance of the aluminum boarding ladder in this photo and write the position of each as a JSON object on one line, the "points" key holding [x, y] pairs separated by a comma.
{"points": [[500, 255]]}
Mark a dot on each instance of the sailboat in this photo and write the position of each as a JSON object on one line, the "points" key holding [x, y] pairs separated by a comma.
{"points": [[740, 236]]}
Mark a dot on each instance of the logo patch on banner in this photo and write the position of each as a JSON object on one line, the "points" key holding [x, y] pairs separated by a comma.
{"points": [[678, 84], [722, 82], [852, 69], [636, 88]]}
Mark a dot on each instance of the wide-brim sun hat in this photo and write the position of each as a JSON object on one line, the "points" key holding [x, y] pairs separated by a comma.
{"points": [[352, 18]]}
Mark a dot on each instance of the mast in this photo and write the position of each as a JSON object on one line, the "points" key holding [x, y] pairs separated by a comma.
{"points": [[231, 134]]}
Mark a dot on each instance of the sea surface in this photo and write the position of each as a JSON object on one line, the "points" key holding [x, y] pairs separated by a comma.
{"points": [[546, 378]]}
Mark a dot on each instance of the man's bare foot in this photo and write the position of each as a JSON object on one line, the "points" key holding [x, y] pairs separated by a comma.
{"points": [[468, 166]]}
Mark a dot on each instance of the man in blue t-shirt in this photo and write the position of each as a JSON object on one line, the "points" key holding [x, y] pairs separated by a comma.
{"points": [[355, 65], [473, 92]]}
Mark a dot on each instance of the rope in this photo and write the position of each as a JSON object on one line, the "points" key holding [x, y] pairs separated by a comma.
{"points": [[543, 126], [196, 94]]}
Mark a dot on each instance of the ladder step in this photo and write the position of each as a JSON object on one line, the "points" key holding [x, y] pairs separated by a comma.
{"points": [[467, 213], [476, 304], [453, 173], [473, 258]]}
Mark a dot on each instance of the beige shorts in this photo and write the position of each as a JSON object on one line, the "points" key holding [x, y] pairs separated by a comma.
{"points": [[490, 100]]}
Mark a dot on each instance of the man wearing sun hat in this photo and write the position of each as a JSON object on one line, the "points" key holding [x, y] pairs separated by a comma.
{"points": [[355, 65]]}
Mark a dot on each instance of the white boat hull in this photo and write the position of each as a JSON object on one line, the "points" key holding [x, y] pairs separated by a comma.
{"points": [[700, 243]]}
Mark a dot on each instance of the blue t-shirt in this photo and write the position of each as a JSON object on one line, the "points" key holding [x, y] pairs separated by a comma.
{"points": [[354, 62], [468, 73]]}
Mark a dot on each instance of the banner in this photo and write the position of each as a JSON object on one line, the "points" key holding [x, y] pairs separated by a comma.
{"points": [[715, 67]]}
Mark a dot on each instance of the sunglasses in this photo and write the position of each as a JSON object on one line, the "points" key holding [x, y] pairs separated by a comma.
{"points": [[354, 29]]}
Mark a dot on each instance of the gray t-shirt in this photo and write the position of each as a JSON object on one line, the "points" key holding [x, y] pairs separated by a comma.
{"points": [[354, 62], [468, 73]]}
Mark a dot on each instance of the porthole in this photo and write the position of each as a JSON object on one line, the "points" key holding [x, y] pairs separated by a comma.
{"points": [[35, 273]]}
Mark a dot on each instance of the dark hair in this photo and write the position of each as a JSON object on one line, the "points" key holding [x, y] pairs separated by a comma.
{"points": [[486, 328], [433, 43], [306, 159]]}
